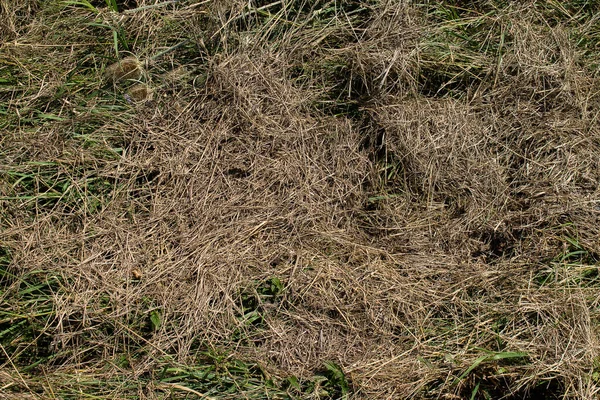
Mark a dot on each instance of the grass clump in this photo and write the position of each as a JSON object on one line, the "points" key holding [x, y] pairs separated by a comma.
{"points": [[299, 200]]}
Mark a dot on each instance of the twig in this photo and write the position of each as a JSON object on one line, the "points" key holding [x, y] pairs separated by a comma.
{"points": [[15, 368], [158, 5], [164, 3], [186, 389], [170, 49]]}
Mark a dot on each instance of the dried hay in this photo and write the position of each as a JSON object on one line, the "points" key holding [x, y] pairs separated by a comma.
{"points": [[405, 240]]}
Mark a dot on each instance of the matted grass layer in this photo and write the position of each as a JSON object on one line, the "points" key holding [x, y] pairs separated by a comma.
{"points": [[295, 199]]}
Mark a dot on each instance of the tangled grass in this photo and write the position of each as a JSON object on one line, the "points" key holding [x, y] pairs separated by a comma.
{"points": [[353, 199]]}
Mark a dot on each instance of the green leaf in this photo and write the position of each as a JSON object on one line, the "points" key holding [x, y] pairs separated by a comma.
{"points": [[337, 377], [50, 117], [276, 286], [475, 390], [116, 42], [490, 357], [112, 4], [293, 381], [83, 3], [155, 319], [251, 317]]}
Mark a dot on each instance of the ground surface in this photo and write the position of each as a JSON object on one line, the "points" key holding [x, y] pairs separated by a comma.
{"points": [[299, 199]]}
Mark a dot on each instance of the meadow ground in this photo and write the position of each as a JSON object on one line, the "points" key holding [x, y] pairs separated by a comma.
{"points": [[293, 199]]}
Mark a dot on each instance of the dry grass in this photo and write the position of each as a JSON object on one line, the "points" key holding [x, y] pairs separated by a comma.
{"points": [[361, 200]]}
